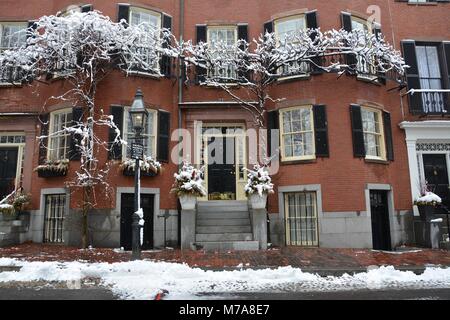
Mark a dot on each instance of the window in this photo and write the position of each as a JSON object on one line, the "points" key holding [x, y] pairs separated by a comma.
{"points": [[149, 135], [373, 133], [149, 20], [55, 207], [297, 133], [228, 35], [59, 139], [12, 35], [301, 219], [364, 68], [430, 77], [283, 29]]}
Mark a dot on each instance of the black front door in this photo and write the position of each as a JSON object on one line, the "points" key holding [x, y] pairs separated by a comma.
{"points": [[8, 168], [379, 210], [436, 174], [126, 218], [221, 168]]}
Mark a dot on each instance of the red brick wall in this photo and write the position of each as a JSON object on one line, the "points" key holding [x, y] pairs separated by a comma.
{"points": [[341, 175]]}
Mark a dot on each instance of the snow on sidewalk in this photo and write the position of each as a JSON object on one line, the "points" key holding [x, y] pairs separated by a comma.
{"points": [[144, 279]]}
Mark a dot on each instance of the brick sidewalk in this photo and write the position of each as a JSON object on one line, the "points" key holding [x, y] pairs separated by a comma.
{"points": [[296, 257]]}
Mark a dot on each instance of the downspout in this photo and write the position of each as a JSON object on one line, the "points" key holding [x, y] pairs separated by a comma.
{"points": [[180, 100]]}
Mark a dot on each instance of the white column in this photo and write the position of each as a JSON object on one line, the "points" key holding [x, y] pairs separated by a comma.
{"points": [[413, 171]]}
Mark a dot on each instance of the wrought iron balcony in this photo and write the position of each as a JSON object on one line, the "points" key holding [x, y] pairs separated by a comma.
{"points": [[429, 101]]}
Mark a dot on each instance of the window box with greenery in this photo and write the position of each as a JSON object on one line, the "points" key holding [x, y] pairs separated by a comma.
{"points": [[427, 203], [259, 185], [57, 168], [149, 167], [188, 185]]}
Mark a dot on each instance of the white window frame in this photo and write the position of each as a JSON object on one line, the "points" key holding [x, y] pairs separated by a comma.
{"points": [[284, 158], [380, 135], [156, 14], [66, 135], [126, 132], [227, 28], [276, 29]]}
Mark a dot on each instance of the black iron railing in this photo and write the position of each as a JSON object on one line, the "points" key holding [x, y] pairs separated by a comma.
{"points": [[429, 101]]}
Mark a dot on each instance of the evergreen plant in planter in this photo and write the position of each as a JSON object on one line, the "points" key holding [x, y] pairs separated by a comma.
{"points": [[57, 168], [259, 185], [149, 167], [12, 205], [427, 204], [188, 185]]}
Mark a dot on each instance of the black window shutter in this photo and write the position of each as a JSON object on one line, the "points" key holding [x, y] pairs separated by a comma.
{"points": [[201, 37], [163, 136], [31, 28], [44, 122], [124, 13], [378, 35], [243, 35], [268, 27], [321, 130], [447, 59], [388, 136], [359, 149], [165, 60], [77, 116], [412, 76], [86, 8], [311, 23], [115, 151], [346, 19], [272, 124]]}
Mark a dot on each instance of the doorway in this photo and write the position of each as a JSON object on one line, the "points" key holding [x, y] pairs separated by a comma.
{"points": [[126, 219], [8, 170], [379, 211]]}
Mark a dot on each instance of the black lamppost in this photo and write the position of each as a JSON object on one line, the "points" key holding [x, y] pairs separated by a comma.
{"points": [[138, 117]]}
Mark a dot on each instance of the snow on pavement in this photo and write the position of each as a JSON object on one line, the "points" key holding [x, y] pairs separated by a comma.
{"points": [[143, 279]]}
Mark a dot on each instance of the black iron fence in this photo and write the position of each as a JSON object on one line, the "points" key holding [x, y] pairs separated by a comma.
{"points": [[429, 101]]}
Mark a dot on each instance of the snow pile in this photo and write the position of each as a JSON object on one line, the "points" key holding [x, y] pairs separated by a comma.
{"points": [[189, 180], [147, 165], [143, 279], [258, 181], [140, 213], [428, 199]]}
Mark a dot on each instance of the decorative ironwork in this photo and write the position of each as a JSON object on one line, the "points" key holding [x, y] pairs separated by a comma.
{"points": [[433, 147], [55, 207]]}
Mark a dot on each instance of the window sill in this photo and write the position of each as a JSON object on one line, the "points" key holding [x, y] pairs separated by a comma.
{"points": [[10, 85], [434, 3], [143, 74], [213, 86], [377, 161], [294, 78], [299, 161], [372, 80]]}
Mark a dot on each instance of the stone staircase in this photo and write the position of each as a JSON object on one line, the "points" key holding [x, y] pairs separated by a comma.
{"points": [[224, 225]]}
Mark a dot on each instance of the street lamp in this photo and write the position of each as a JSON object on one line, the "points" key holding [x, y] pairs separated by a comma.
{"points": [[138, 117]]}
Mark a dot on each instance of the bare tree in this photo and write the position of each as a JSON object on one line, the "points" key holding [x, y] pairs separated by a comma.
{"points": [[83, 48]]}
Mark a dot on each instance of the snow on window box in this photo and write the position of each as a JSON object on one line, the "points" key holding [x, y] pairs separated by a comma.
{"points": [[53, 168], [149, 167]]}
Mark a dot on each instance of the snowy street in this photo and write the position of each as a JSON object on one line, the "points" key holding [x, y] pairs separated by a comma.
{"points": [[143, 280]]}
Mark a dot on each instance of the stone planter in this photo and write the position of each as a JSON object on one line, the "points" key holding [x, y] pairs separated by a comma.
{"points": [[258, 202], [188, 202], [426, 212]]}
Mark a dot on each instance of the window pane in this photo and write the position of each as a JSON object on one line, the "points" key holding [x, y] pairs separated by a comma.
{"points": [[433, 62]]}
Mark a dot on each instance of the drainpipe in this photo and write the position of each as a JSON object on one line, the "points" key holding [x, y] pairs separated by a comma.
{"points": [[180, 100]]}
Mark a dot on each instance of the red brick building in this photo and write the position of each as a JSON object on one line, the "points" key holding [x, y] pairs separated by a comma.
{"points": [[355, 191]]}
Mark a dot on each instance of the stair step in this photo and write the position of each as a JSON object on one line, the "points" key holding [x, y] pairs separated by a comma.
{"points": [[223, 222], [224, 229], [222, 215], [224, 237], [228, 245]]}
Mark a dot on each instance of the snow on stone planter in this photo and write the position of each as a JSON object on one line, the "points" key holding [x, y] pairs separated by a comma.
{"points": [[426, 204], [259, 184], [188, 185]]}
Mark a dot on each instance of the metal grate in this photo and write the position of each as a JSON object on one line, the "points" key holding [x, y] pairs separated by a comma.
{"points": [[55, 206], [301, 219]]}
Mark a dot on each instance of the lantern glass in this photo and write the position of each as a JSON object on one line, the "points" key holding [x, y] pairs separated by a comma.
{"points": [[138, 113]]}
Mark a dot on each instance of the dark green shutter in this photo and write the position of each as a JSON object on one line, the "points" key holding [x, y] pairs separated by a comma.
{"points": [[388, 136], [346, 19], [268, 27], [321, 130], [272, 124], [378, 35], [412, 76], [115, 151], [166, 60], [359, 149], [86, 8], [77, 116], [124, 13], [311, 23], [201, 37], [163, 136], [243, 35], [44, 123]]}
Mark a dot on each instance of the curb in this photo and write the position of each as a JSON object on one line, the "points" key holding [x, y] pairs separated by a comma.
{"points": [[9, 268]]}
